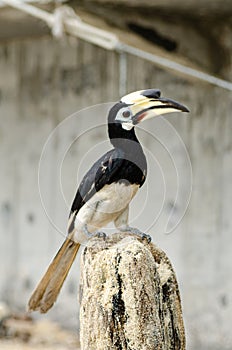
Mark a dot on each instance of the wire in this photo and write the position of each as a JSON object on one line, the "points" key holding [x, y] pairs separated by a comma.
{"points": [[67, 20], [70, 22], [31, 10], [167, 63]]}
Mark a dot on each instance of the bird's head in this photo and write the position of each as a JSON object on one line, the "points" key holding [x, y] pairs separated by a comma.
{"points": [[141, 105]]}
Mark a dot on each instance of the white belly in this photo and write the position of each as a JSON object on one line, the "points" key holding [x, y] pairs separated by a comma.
{"points": [[105, 206]]}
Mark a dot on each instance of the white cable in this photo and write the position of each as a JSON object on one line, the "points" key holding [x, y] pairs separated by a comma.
{"points": [[31, 10], [165, 62], [69, 22], [72, 25]]}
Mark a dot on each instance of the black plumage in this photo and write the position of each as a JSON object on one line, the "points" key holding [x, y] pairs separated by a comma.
{"points": [[125, 163]]}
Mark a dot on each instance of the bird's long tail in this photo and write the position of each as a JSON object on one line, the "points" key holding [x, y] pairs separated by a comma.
{"points": [[49, 287]]}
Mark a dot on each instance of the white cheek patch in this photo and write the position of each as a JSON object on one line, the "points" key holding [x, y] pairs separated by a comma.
{"points": [[127, 126]]}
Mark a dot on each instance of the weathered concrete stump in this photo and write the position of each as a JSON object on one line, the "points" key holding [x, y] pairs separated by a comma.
{"points": [[129, 297]]}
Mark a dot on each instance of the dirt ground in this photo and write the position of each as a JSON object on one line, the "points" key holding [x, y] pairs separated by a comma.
{"points": [[21, 332], [16, 345]]}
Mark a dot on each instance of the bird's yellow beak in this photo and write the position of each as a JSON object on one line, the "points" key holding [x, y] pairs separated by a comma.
{"points": [[146, 104]]}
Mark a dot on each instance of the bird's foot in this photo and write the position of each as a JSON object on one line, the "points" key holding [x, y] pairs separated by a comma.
{"points": [[98, 234], [101, 234], [136, 232]]}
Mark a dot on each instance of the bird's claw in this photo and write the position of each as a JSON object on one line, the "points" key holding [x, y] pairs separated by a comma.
{"points": [[101, 234], [147, 237], [143, 235], [98, 234], [138, 233]]}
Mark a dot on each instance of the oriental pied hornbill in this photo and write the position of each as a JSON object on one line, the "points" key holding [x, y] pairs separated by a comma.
{"points": [[108, 187]]}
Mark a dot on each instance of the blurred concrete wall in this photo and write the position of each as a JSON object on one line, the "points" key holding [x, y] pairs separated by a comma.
{"points": [[43, 82]]}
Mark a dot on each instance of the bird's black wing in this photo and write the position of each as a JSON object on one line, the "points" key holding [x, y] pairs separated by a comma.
{"points": [[100, 174]]}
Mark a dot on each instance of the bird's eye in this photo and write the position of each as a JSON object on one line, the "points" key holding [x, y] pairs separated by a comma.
{"points": [[126, 114]]}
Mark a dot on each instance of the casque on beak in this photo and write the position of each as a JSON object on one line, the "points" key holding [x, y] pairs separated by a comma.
{"points": [[154, 107], [146, 104]]}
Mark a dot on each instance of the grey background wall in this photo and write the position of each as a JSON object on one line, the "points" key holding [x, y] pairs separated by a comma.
{"points": [[43, 81]]}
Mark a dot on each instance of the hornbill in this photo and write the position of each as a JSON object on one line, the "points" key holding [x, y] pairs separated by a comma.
{"points": [[107, 188]]}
